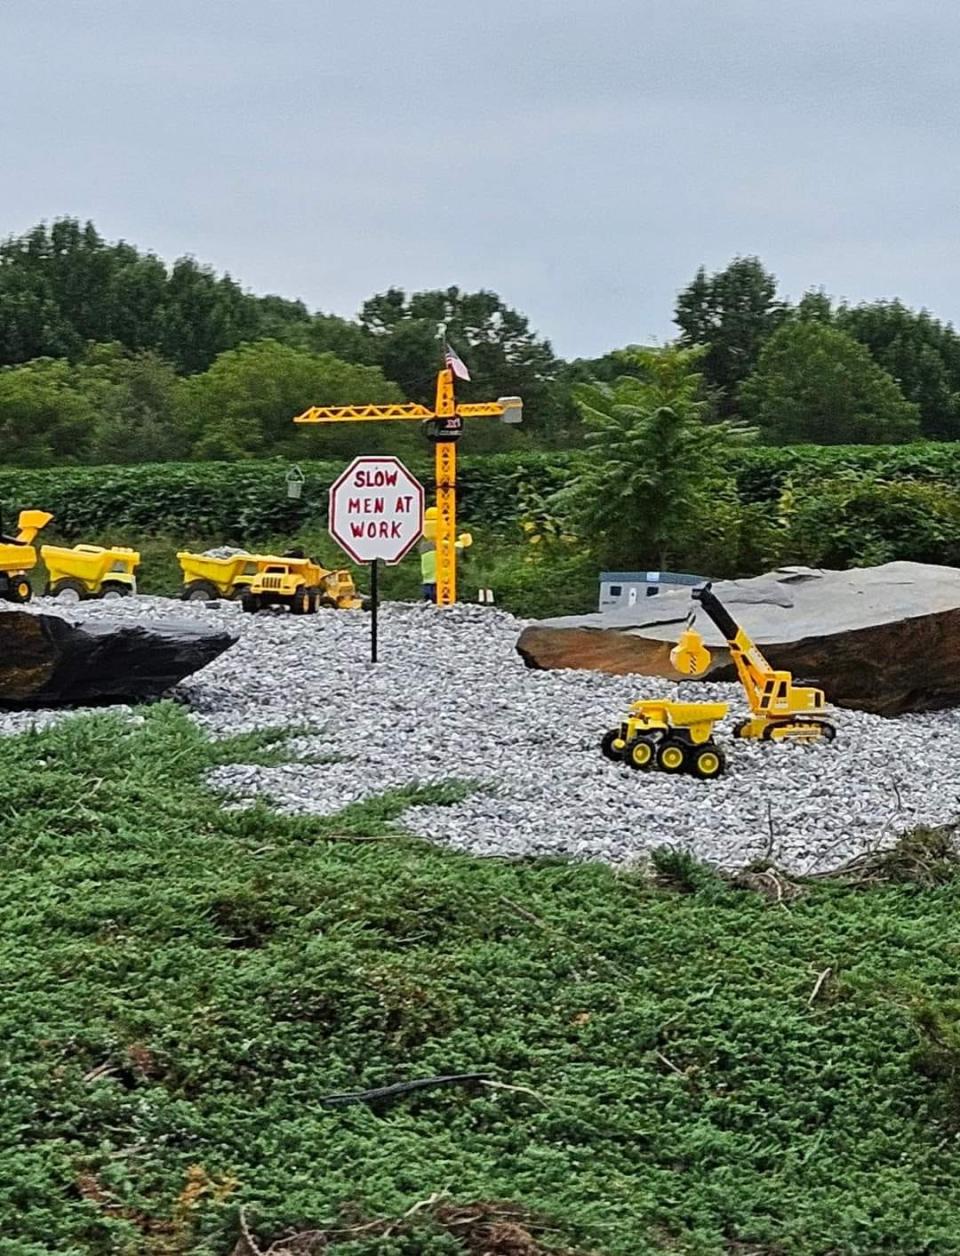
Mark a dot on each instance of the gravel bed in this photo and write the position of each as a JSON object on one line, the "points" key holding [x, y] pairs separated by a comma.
{"points": [[451, 699]]}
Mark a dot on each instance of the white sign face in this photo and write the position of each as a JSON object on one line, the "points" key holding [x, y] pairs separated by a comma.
{"points": [[376, 510]]}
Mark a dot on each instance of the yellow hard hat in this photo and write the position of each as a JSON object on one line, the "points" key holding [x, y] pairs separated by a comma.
{"points": [[430, 512]]}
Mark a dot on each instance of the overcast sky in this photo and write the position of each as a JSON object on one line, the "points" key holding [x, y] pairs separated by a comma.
{"points": [[580, 157]]}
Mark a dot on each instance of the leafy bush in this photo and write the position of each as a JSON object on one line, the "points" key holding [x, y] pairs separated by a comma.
{"points": [[856, 522], [826, 507]]}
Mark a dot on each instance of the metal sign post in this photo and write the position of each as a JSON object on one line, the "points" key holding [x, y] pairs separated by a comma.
{"points": [[374, 604]]}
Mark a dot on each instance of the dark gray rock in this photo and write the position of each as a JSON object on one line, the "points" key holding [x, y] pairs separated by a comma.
{"points": [[47, 660]]}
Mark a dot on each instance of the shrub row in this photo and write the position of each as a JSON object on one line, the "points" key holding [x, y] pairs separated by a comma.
{"points": [[249, 499]]}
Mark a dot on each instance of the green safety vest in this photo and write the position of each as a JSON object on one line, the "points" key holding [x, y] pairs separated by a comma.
{"points": [[428, 566]]}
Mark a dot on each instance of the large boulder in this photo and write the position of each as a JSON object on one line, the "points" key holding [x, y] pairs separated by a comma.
{"points": [[882, 639], [46, 660]]}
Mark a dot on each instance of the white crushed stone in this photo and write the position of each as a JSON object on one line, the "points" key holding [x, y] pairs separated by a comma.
{"points": [[452, 700]]}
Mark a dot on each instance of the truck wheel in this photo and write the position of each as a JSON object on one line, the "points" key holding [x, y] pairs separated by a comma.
{"points": [[199, 591], [300, 602], [68, 590], [640, 754], [607, 748], [671, 756], [707, 762], [111, 589], [19, 590], [249, 602]]}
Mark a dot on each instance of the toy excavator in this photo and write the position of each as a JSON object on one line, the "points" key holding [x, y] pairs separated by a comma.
{"points": [[779, 709]]}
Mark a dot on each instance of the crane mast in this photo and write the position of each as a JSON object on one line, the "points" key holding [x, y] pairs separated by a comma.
{"points": [[443, 426]]}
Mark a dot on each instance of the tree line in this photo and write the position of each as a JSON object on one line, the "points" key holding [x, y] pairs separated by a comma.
{"points": [[108, 354]]}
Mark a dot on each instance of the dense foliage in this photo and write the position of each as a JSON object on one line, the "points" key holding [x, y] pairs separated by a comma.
{"points": [[198, 979], [761, 506], [108, 354], [69, 299], [815, 382], [733, 312], [649, 461]]}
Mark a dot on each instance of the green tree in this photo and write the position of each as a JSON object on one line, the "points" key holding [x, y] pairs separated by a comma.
{"points": [[921, 353], [733, 312], [504, 356], [134, 394], [44, 417], [63, 286], [816, 384], [651, 463], [244, 405]]}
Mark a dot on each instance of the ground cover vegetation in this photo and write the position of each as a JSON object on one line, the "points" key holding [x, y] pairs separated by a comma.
{"points": [[679, 1062]]}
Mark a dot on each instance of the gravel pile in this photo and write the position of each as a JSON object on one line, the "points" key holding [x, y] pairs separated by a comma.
{"points": [[452, 700]]}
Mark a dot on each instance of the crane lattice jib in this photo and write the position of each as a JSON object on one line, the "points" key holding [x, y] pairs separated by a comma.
{"points": [[406, 410]]}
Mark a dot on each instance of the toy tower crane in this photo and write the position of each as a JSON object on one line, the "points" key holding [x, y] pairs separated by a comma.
{"points": [[444, 426]]}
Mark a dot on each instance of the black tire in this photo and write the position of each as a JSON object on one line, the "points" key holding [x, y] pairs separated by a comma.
{"points": [[19, 590], [115, 588], [707, 761], [313, 601], [300, 602], [199, 591], [672, 756], [641, 754], [738, 728], [69, 589], [249, 602], [606, 746]]}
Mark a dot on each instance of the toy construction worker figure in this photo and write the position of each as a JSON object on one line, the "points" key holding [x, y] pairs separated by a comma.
{"points": [[428, 570], [428, 553]]}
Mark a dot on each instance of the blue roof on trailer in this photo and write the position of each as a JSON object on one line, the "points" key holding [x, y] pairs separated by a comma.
{"points": [[648, 577]]}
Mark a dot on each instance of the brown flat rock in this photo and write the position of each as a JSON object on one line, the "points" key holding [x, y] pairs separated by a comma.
{"points": [[883, 639]]}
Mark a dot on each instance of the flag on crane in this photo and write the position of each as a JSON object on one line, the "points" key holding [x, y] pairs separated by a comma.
{"points": [[455, 362]]}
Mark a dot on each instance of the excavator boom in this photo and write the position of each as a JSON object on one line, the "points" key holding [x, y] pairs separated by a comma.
{"points": [[779, 709]]}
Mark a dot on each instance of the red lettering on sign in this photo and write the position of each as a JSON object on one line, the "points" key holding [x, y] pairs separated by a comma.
{"points": [[376, 479]]}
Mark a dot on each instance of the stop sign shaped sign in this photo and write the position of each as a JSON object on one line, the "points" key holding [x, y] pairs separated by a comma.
{"points": [[376, 510]]}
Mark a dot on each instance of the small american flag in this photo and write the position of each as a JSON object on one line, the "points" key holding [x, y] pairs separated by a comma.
{"points": [[455, 363]]}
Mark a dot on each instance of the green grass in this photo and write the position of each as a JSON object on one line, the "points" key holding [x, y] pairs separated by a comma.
{"points": [[181, 985]]}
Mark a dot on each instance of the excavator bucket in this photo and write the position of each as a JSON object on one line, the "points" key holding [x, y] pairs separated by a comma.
{"points": [[30, 523], [690, 657]]}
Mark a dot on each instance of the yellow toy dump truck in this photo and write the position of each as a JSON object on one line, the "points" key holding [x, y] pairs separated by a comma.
{"points": [[267, 580], [207, 577], [289, 581], [90, 571], [18, 556], [669, 736]]}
